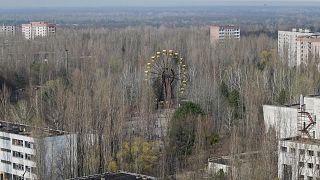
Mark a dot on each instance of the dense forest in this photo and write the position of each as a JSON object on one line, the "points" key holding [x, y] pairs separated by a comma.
{"points": [[91, 81]]}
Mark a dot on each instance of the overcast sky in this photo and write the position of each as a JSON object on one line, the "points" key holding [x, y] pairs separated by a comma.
{"points": [[99, 3]]}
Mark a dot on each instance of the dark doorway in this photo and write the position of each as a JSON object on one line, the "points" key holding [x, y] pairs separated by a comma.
{"points": [[287, 172]]}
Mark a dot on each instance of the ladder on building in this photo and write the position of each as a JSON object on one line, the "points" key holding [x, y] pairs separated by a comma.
{"points": [[305, 122]]}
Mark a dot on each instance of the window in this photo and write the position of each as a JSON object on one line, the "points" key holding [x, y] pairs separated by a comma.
{"points": [[311, 153], [33, 169], [17, 166], [301, 151], [283, 149], [5, 138], [17, 142], [317, 166], [6, 162], [310, 178], [310, 165], [17, 154], [28, 169], [301, 177], [293, 150], [301, 164], [29, 144], [5, 150], [29, 157], [318, 153], [287, 171], [15, 177]]}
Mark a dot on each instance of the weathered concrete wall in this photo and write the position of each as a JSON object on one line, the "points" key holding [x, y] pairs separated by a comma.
{"points": [[283, 119]]}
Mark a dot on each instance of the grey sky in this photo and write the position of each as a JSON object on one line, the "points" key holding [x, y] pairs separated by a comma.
{"points": [[91, 3]]}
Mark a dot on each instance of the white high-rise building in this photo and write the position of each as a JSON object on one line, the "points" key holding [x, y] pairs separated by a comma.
{"points": [[38, 29], [21, 147], [287, 44], [26, 31], [298, 132]]}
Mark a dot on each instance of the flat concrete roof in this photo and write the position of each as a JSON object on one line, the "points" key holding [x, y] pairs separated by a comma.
{"points": [[220, 160], [301, 140], [27, 130], [296, 105], [120, 175]]}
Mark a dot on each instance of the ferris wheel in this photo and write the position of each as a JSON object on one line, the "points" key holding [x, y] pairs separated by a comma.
{"points": [[167, 72]]}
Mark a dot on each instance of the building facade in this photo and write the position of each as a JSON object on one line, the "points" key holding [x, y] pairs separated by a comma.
{"points": [[299, 137], [221, 33], [287, 45], [299, 158], [17, 156], [308, 49], [289, 120], [38, 29], [20, 151], [7, 30], [218, 164]]}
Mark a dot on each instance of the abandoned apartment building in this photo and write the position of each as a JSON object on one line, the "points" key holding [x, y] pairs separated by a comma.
{"points": [[298, 137], [20, 147]]}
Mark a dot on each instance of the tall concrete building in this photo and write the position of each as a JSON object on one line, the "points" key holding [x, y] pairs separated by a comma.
{"points": [[220, 33], [287, 45], [308, 48], [7, 30], [38, 29], [23, 146], [299, 138]]}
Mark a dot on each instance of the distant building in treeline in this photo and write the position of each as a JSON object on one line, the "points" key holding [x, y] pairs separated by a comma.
{"points": [[298, 46], [287, 44], [220, 33], [308, 48], [38, 29], [7, 30]]}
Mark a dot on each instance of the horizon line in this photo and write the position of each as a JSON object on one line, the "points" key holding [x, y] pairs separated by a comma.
{"points": [[259, 4]]}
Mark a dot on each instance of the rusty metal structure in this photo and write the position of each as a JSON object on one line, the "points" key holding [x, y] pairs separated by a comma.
{"points": [[167, 73]]}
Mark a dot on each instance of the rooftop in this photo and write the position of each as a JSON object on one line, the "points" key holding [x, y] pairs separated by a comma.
{"points": [[301, 30], [225, 160], [301, 140], [120, 175], [296, 105], [26, 130], [230, 26], [40, 23], [294, 31], [310, 38]]}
